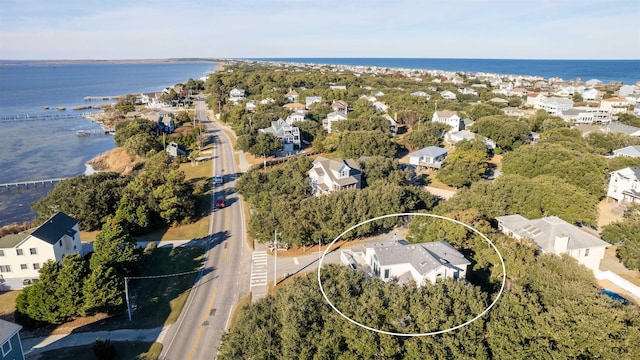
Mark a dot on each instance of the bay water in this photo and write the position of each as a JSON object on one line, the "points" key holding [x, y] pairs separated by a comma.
{"points": [[45, 149]]}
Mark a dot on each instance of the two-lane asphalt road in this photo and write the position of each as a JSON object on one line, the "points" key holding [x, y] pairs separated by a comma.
{"points": [[225, 273]]}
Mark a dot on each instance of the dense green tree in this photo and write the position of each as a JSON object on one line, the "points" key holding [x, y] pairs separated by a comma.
{"points": [[481, 110], [605, 143], [353, 144], [626, 235], [127, 129], [141, 144], [265, 143], [554, 159], [426, 133], [115, 248], [532, 198], [89, 199], [103, 291], [629, 119], [463, 167], [506, 131], [70, 284], [39, 301], [378, 168], [176, 201]]}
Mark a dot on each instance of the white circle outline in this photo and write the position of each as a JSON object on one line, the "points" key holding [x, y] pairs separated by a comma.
{"points": [[504, 276]]}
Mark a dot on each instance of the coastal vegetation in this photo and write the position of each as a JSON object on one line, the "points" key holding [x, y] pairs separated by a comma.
{"points": [[535, 315]]}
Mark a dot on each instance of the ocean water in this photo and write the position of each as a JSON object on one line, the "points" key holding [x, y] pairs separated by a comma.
{"points": [[626, 71], [44, 149]]}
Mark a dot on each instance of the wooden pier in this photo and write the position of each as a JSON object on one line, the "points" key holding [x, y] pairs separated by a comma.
{"points": [[27, 117], [102, 98], [27, 184]]}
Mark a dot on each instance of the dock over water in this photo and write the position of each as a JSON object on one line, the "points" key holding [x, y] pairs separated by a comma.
{"points": [[27, 184], [14, 118]]}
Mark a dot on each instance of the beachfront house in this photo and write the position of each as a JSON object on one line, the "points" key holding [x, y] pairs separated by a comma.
{"points": [[422, 263], [22, 255], [624, 185], [429, 157], [10, 344], [337, 174], [614, 105], [556, 236]]}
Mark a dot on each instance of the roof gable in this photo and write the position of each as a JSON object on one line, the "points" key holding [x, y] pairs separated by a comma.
{"points": [[55, 228]]}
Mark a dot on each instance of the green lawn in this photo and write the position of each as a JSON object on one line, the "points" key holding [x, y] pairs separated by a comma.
{"points": [[128, 350], [159, 301]]}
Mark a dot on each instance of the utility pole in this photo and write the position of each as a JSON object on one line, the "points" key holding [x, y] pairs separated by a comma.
{"points": [[126, 292], [275, 261]]}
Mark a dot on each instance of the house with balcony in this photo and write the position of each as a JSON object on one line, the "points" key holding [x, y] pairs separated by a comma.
{"points": [[22, 255], [236, 95], [615, 105], [328, 175], [291, 96], [585, 115], [423, 263], [429, 157], [624, 185], [556, 236], [554, 105], [289, 135], [448, 117]]}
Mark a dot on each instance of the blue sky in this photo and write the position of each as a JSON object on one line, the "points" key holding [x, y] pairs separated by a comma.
{"points": [[134, 29]]}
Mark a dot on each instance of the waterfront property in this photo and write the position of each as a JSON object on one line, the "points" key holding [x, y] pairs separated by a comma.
{"points": [[556, 236], [22, 255], [10, 344], [422, 263]]}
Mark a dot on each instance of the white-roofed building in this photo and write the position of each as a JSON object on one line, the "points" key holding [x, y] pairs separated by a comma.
{"points": [[629, 151], [556, 236], [331, 118], [422, 263]]}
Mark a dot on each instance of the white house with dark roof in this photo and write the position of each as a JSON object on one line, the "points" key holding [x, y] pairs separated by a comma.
{"points": [[331, 118], [289, 135], [556, 236], [624, 185], [429, 157], [22, 255], [448, 117], [422, 263], [328, 175], [629, 151], [10, 344]]}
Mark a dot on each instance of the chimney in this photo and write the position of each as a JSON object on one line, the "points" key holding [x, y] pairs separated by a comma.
{"points": [[560, 244]]}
